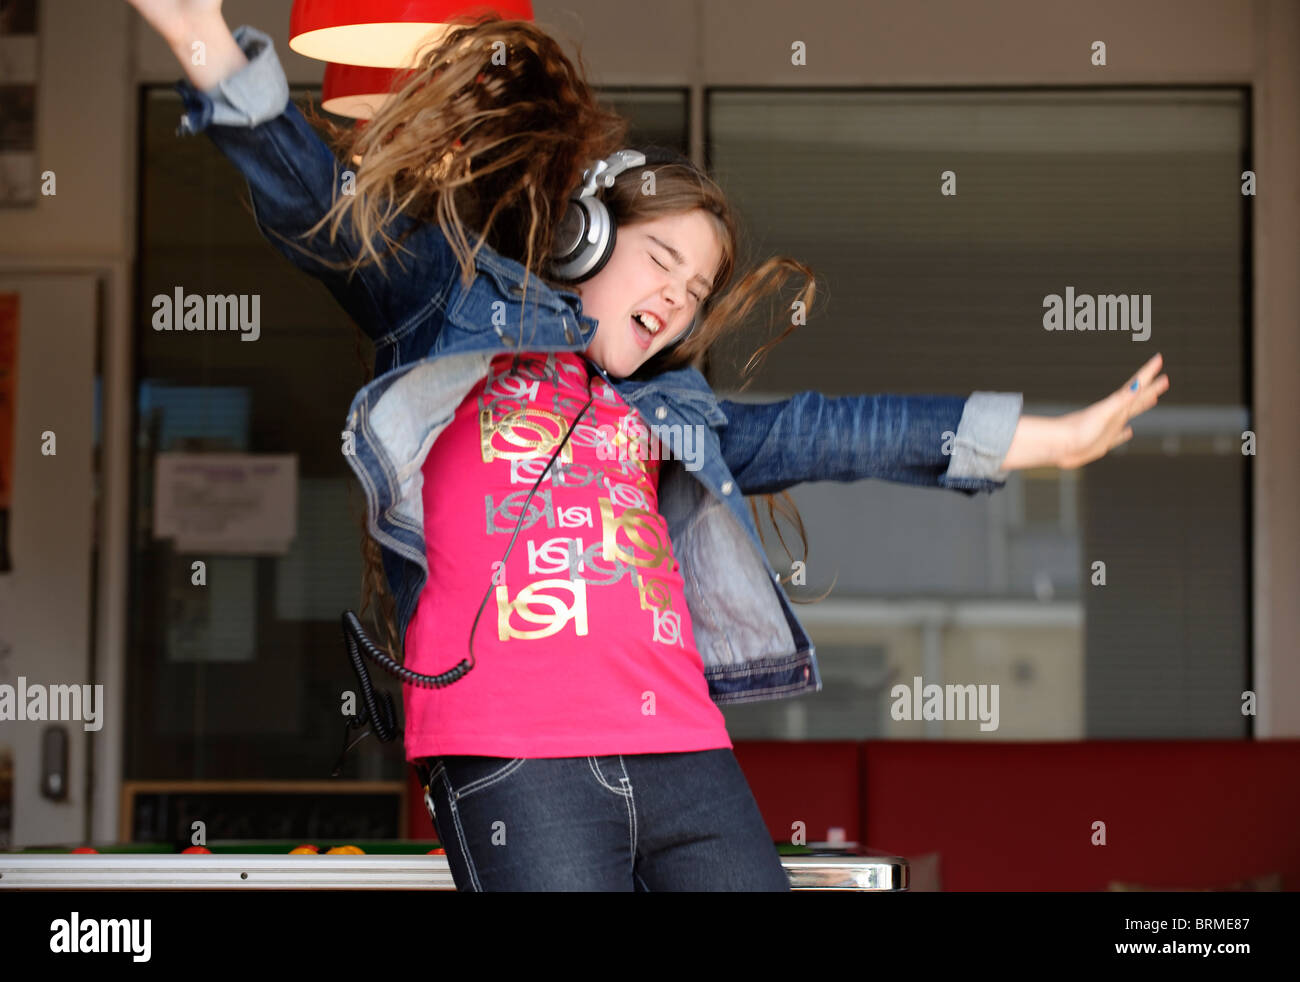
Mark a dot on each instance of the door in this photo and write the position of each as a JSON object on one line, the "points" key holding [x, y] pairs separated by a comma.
{"points": [[48, 484]]}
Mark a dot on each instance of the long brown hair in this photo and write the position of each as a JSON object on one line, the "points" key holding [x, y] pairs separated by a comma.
{"points": [[491, 131]]}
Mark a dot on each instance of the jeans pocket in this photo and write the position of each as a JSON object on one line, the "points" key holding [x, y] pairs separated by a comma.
{"points": [[467, 775]]}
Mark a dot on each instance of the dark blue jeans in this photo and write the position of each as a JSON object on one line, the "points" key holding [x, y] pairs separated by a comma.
{"points": [[676, 821]]}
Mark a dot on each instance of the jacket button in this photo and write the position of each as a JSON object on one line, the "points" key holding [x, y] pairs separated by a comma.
{"points": [[517, 289], [726, 487], [661, 412], [568, 332], [776, 577]]}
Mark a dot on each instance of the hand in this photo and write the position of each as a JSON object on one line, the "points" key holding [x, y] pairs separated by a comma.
{"points": [[175, 20], [1093, 432], [191, 26]]}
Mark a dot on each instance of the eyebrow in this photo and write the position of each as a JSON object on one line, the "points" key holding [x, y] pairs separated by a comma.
{"points": [[678, 258]]}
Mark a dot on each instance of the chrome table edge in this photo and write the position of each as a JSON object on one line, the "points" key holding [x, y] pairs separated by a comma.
{"points": [[251, 871]]}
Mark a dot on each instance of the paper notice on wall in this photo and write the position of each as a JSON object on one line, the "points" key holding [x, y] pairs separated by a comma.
{"points": [[236, 504]]}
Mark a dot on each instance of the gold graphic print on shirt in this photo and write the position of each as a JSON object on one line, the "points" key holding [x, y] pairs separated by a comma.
{"points": [[635, 539], [552, 622], [526, 433], [648, 548], [647, 545]]}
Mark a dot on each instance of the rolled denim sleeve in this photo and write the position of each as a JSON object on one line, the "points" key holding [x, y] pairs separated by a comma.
{"points": [[988, 422], [256, 93], [769, 447]]}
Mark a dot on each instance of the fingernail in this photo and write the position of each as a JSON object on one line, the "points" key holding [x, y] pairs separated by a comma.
{"points": [[1133, 387]]}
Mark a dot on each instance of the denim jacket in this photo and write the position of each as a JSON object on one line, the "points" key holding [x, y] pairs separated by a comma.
{"points": [[434, 339]]}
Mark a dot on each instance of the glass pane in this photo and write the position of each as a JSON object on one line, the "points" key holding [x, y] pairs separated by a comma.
{"points": [[1101, 192]]}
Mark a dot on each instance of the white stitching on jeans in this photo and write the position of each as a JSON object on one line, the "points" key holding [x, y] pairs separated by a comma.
{"points": [[591, 762], [460, 836], [631, 807], [488, 779]]}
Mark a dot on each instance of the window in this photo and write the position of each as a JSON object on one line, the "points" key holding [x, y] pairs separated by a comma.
{"points": [[1103, 191]]}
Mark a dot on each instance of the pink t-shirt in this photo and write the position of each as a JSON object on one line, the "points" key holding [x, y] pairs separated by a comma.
{"points": [[584, 646]]}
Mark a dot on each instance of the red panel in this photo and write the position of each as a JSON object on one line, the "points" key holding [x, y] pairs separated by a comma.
{"points": [[420, 825], [1016, 816], [815, 782]]}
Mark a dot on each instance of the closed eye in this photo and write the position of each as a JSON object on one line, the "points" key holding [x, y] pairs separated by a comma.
{"points": [[694, 296]]}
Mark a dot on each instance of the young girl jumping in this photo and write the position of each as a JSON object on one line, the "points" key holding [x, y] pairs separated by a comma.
{"points": [[556, 499]]}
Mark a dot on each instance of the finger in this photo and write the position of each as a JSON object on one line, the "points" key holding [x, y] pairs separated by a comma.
{"points": [[1144, 399], [1122, 438], [1142, 378], [1145, 374]]}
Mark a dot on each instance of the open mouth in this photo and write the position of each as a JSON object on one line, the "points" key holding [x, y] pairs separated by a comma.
{"points": [[640, 332]]}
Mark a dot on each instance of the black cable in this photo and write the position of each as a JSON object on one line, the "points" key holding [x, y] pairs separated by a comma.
{"points": [[378, 708]]}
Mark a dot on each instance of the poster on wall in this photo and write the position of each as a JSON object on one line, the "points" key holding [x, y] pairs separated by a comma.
{"points": [[18, 172], [8, 413], [227, 503]]}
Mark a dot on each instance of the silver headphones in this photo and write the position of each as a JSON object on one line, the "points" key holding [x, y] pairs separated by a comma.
{"points": [[584, 239]]}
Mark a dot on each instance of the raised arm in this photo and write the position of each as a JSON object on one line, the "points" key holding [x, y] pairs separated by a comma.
{"points": [[236, 92]]}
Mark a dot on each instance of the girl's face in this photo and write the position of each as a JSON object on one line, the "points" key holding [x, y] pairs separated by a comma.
{"points": [[662, 268]]}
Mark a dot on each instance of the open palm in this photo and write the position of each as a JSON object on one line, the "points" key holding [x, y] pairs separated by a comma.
{"points": [[1096, 429]]}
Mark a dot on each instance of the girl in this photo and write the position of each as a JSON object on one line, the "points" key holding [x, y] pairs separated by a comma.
{"points": [[520, 394]]}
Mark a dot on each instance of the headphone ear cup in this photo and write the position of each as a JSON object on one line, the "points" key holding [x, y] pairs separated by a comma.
{"points": [[605, 247], [690, 329], [577, 257]]}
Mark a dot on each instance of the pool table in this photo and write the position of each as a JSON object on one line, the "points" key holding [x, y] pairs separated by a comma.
{"points": [[385, 865]]}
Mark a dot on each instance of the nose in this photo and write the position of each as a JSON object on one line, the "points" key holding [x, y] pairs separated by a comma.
{"points": [[671, 295]]}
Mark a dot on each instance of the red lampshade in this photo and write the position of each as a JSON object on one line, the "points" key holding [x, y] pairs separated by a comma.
{"points": [[357, 90], [382, 33]]}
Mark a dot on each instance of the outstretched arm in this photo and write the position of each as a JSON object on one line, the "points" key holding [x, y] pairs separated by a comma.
{"points": [[966, 445]]}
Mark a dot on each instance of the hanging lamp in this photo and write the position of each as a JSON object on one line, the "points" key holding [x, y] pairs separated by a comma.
{"points": [[382, 33], [357, 91]]}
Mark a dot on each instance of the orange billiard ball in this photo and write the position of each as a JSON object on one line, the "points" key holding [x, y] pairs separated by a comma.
{"points": [[306, 850], [345, 851]]}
